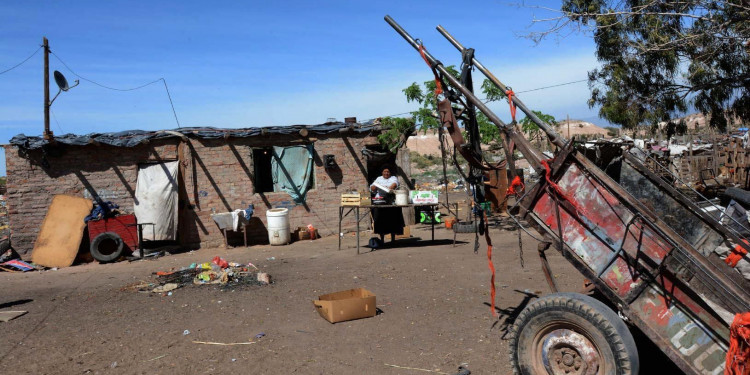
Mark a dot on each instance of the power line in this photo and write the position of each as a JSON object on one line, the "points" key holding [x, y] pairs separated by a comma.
{"points": [[170, 101], [130, 89], [485, 100], [99, 84], [57, 122], [22, 62], [549, 87]]}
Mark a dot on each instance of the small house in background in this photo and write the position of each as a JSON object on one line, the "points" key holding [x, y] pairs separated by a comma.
{"points": [[181, 177]]}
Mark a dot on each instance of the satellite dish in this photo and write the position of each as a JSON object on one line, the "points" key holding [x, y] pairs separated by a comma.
{"points": [[62, 83]]}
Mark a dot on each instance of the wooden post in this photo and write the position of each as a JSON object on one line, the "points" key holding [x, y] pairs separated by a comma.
{"points": [[47, 133]]}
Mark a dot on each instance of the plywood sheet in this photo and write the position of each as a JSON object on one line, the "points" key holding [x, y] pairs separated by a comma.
{"points": [[61, 233]]}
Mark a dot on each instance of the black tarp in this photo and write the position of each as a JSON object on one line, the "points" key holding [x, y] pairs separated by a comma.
{"points": [[132, 138]]}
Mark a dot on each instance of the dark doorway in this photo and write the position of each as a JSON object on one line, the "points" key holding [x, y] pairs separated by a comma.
{"points": [[377, 159], [262, 167]]}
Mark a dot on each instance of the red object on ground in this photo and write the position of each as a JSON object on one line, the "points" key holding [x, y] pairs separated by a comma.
{"points": [[735, 255], [119, 225], [738, 356], [449, 222], [220, 262]]}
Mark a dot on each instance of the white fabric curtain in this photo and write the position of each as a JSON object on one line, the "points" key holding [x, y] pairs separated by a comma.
{"points": [[156, 200]]}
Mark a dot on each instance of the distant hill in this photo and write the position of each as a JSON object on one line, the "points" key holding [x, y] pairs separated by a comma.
{"points": [[700, 120], [427, 143], [578, 127]]}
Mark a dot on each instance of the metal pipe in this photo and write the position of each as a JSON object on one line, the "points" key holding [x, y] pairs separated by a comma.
{"points": [[531, 154], [555, 138]]}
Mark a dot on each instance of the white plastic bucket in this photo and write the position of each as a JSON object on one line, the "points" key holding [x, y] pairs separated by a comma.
{"points": [[402, 197], [278, 226]]}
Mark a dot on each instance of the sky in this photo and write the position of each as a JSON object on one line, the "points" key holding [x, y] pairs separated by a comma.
{"points": [[236, 64]]}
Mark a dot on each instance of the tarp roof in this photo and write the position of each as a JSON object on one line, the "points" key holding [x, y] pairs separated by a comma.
{"points": [[132, 138]]}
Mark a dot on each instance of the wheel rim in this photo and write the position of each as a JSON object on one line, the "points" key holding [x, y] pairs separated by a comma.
{"points": [[563, 348]]}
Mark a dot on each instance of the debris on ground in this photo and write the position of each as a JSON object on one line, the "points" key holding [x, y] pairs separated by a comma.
{"points": [[6, 316], [16, 265], [218, 271]]}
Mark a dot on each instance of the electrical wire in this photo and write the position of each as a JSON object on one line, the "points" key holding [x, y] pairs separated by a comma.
{"points": [[170, 101], [557, 85], [56, 122], [99, 84], [485, 100], [22, 62], [164, 81]]}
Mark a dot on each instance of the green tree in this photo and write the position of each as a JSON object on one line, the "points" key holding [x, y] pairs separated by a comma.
{"points": [[612, 131], [396, 130], [660, 57], [532, 129], [426, 116]]}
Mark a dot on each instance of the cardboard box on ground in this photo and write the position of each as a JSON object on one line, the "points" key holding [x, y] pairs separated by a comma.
{"points": [[346, 305]]}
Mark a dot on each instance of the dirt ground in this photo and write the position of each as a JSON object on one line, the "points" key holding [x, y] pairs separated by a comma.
{"points": [[434, 299]]}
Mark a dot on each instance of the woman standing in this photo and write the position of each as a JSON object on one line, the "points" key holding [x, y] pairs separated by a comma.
{"points": [[387, 219]]}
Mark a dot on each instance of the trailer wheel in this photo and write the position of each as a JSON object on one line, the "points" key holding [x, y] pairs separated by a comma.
{"points": [[571, 334], [106, 247]]}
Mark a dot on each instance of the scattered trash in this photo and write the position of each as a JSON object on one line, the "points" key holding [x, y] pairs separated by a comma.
{"points": [[271, 258], [9, 255], [18, 265], [260, 335], [234, 359], [165, 288], [218, 271], [185, 332], [154, 359], [223, 343], [6, 316], [113, 365], [220, 262]]}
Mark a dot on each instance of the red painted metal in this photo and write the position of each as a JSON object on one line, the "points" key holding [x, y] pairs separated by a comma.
{"points": [[122, 225], [629, 256]]}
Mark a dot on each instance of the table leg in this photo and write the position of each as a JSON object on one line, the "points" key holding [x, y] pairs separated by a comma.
{"points": [[433, 223], [140, 240], [357, 229], [244, 232], [341, 212], [225, 238]]}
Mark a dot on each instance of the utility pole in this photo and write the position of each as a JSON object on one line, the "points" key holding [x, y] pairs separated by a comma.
{"points": [[47, 133], [568, 126]]}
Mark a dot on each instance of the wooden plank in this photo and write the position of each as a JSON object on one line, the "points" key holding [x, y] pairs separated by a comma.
{"points": [[62, 229]]}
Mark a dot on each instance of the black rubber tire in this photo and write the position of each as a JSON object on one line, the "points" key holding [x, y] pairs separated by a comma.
{"points": [[469, 227], [741, 196], [107, 247], [577, 313]]}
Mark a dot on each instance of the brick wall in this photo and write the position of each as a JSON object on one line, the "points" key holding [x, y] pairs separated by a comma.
{"points": [[215, 176]]}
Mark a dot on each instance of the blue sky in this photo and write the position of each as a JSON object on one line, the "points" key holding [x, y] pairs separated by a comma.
{"points": [[243, 64]]}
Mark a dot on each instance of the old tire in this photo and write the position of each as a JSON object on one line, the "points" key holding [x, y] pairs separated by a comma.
{"points": [[107, 247], [571, 334], [469, 227]]}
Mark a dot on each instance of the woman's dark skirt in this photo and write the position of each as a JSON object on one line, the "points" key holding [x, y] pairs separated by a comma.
{"points": [[388, 220]]}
